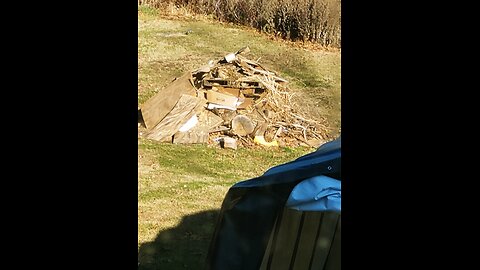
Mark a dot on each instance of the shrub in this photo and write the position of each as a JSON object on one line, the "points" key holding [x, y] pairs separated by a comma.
{"points": [[317, 21]]}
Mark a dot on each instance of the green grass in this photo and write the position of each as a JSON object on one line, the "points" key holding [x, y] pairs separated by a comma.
{"points": [[222, 164], [180, 190], [181, 187]]}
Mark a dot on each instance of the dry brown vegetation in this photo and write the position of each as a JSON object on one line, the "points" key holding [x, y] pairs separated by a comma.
{"points": [[317, 21]]}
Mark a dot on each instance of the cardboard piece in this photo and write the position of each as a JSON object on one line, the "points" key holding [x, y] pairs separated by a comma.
{"points": [[228, 142], [222, 99], [246, 102], [229, 91]]}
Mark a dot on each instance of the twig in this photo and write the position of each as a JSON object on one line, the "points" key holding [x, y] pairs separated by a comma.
{"points": [[304, 130]]}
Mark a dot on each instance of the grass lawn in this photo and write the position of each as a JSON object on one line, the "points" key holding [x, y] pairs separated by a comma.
{"points": [[181, 187]]}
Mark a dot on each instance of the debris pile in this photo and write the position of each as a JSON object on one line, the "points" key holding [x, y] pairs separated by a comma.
{"points": [[234, 101]]}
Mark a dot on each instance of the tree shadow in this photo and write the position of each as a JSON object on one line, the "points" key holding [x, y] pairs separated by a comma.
{"points": [[183, 247]]}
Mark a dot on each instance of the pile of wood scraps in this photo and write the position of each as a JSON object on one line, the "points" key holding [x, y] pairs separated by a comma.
{"points": [[234, 101]]}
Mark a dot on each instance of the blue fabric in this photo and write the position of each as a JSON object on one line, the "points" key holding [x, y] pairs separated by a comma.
{"points": [[251, 207], [323, 153], [318, 193]]}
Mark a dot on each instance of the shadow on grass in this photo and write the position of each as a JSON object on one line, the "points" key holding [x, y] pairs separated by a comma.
{"points": [[182, 247]]}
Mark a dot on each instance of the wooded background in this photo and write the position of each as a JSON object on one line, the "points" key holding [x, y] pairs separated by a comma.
{"points": [[317, 21]]}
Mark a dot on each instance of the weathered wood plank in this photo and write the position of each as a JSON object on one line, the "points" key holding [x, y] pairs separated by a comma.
{"points": [[304, 240], [283, 251], [157, 107], [246, 102], [190, 137], [334, 259], [185, 108], [207, 121], [324, 241], [210, 120]]}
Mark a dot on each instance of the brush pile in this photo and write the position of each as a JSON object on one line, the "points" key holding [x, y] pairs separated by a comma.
{"points": [[234, 101]]}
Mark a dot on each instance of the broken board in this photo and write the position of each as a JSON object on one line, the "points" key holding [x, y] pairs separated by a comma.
{"points": [[157, 107], [183, 110], [190, 137], [207, 122]]}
